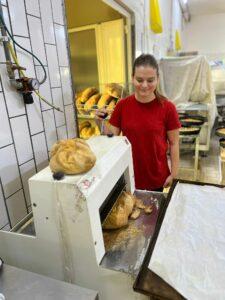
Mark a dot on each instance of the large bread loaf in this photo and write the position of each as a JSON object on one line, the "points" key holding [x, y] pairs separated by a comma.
{"points": [[73, 156]]}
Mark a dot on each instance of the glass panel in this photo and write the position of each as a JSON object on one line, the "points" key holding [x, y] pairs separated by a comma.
{"points": [[84, 58]]}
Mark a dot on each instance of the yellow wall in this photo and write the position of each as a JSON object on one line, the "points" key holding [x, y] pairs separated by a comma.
{"points": [[87, 12]]}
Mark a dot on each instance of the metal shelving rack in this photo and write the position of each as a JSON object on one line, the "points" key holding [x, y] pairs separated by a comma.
{"points": [[200, 109]]}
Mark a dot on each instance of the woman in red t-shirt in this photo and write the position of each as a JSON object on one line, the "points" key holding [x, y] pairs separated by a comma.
{"points": [[151, 124]]}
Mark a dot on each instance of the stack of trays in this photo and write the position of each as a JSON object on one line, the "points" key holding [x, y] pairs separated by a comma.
{"points": [[191, 124]]}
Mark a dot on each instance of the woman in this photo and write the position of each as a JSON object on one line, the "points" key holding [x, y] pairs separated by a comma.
{"points": [[151, 123]]}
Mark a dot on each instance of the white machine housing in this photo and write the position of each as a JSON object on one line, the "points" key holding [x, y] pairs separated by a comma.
{"points": [[69, 242]]}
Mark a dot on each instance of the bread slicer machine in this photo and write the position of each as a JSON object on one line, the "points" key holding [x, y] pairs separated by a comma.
{"points": [[69, 242]]}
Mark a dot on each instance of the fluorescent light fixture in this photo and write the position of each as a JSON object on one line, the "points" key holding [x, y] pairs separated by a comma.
{"points": [[185, 1]]}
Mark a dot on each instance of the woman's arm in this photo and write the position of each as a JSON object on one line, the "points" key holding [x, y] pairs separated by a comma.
{"points": [[110, 129], [173, 139]]}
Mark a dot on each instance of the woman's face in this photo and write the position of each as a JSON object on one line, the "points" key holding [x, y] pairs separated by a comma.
{"points": [[145, 81]]}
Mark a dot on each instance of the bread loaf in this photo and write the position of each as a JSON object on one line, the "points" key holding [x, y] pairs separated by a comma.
{"points": [[111, 106], [87, 132], [73, 156], [120, 213], [79, 106], [114, 90], [87, 93], [84, 124], [83, 133], [93, 100], [104, 100], [135, 213], [97, 131]]}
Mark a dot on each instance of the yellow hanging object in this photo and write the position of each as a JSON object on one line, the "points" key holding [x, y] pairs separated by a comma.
{"points": [[177, 40], [155, 17]]}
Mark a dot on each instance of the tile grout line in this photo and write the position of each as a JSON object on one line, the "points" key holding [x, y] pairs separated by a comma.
{"points": [[47, 71], [48, 76], [5, 203], [70, 69], [66, 42]]}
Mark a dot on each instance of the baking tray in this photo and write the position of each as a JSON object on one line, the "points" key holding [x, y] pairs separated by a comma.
{"points": [[192, 132], [222, 142], [219, 133], [147, 282], [182, 114], [126, 247], [191, 121]]}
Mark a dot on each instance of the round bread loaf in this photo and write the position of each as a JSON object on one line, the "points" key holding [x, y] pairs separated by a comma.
{"points": [[73, 156]]}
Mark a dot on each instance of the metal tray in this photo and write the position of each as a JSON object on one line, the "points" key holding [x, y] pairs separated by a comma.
{"points": [[222, 142], [193, 121], [126, 247], [219, 133], [147, 282], [192, 132], [182, 114]]}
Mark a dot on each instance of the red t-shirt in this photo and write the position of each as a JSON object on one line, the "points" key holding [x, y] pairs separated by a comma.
{"points": [[146, 125]]}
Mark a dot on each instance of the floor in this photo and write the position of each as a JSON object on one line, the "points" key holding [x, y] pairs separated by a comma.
{"points": [[209, 165]]}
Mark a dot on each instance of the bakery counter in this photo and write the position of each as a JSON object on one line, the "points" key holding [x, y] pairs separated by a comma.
{"points": [[18, 284]]}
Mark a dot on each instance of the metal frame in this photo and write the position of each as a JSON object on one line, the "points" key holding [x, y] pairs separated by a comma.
{"points": [[222, 169], [196, 157], [129, 20], [201, 107]]}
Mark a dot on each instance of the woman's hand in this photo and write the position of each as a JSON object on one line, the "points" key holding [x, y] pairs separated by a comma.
{"points": [[109, 129], [101, 114], [168, 181]]}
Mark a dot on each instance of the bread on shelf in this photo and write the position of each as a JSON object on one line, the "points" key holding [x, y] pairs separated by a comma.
{"points": [[104, 100], [84, 124], [87, 93], [111, 106], [114, 89], [86, 130], [93, 100], [79, 106]]}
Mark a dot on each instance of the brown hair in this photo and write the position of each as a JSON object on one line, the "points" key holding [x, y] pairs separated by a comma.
{"points": [[148, 60]]}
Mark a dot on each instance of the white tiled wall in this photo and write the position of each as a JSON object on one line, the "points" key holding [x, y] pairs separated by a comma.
{"points": [[27, 133], [32, 7]]}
